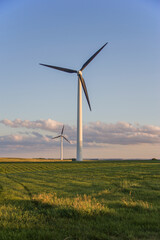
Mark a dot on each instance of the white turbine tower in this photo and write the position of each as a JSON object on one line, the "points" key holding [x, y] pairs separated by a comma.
{"points": [[61, 142], [81, 83]]}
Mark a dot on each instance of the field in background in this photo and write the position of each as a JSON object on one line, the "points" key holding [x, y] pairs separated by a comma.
{"points": [[115, 200], [32, 160]]}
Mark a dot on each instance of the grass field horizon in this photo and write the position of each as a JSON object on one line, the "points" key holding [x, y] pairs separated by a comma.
{"points": [[79, 200], [43, 159]]}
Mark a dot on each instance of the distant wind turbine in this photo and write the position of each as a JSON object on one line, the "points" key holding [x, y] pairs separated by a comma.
{"points": [[61, 136], [81, 83]]}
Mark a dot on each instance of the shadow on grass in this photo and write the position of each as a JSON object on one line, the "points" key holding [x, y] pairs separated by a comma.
{"points": [[1, 189], [32, 219], [39, 220]]}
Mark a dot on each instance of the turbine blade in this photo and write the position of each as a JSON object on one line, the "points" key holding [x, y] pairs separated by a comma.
{"points": [[85, 90], [66, 139], [62, 130], [56, 137], [60, 68], [91, 58]]}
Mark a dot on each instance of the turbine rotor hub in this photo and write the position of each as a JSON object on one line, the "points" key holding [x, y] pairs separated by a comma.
{"points": [[79, 73]]}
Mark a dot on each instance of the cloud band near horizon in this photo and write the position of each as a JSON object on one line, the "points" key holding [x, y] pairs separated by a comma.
{"points": [[95, 133]]}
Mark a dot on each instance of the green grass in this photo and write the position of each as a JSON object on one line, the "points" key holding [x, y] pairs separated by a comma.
{"points": [[115, 200]]}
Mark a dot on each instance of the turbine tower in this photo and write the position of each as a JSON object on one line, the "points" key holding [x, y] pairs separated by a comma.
{"points": [[61, 136], [81, 83]]}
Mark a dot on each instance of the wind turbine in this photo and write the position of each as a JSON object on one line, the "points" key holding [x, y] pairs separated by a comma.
{"points": [[61, 136], [81, 83]]}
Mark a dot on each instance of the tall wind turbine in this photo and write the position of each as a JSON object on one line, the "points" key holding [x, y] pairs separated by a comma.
{"points": [[81, 83], [61, 136]]}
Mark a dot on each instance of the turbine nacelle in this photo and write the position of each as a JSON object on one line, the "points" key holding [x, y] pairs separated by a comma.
{"points": [[79, 73]]}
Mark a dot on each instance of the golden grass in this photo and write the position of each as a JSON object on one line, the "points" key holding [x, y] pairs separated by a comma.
{"points": [[138, 203], [82, 204], [3, 160]]}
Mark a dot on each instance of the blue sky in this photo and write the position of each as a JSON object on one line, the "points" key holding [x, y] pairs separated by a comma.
{"points": [[122, 81]]}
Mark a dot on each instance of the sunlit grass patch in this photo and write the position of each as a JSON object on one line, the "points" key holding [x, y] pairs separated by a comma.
{"points": [[82, 204], [137, 203]]}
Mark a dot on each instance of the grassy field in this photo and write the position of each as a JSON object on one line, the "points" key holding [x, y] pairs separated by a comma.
{"points": [[115, 200]]}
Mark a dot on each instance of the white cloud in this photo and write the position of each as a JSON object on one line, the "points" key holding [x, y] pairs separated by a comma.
{"points": [[96, 134], [49, 124], [121, 133], [29, 144]]}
